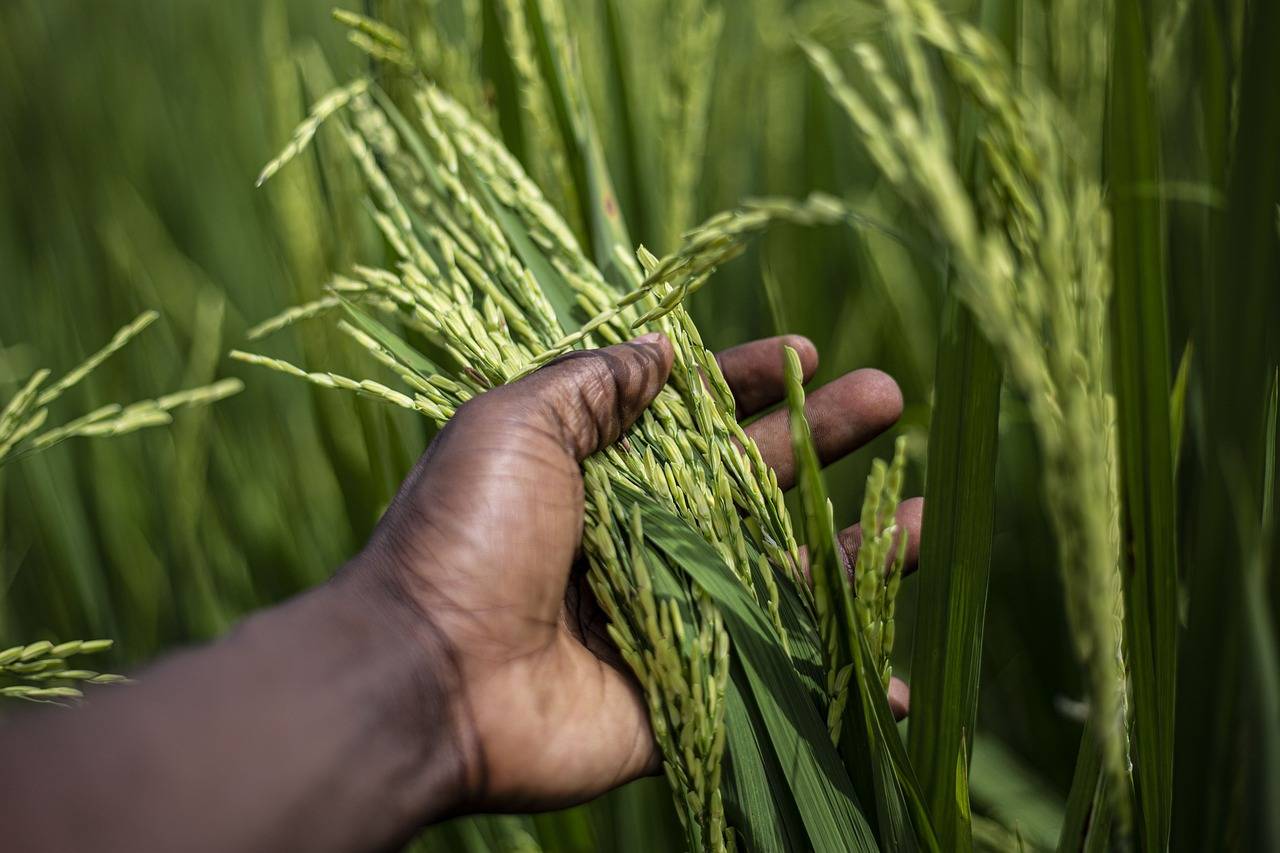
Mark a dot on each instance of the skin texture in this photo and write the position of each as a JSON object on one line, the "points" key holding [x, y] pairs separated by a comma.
{"points": [[456, 665]]}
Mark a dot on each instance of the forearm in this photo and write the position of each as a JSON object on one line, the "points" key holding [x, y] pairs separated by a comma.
{"points": [[323, 724]]}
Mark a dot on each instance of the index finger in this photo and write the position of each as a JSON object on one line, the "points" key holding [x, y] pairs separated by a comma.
{"points": [[754, 370]]}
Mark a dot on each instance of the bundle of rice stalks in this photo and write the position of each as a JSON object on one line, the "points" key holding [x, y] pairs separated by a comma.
{"points": [[690, 548]]}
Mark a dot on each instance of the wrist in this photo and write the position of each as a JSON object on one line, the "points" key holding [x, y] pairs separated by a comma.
{"points": [[415, 689]]}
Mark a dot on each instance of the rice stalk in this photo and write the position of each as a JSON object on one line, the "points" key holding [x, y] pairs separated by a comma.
{"points": [[43, 674], [23, 418], [1032, 260], [42, 665], [442, 37], [306, 131], [545, 149], [1083, 33], [881, 558], [718, 240], [692, 37], [117, 342]]}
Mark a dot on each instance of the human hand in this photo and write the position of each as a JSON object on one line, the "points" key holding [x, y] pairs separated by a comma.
{"points": [[482, 538]]}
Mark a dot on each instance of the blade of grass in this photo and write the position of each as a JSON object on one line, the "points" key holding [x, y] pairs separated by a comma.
{"points": [[962, 785], [1219, 727], [1087, 803], [956, 541], [1178, 403], [557, 290], [496, 66], [1005, 786], [1260, 636], [897, 785], [1270, 451], [774, 300], [769, 823], [596, 196], [423, 366], [619, 74], [836, 623], [868, 739], [1142, 391], [955, 564]]}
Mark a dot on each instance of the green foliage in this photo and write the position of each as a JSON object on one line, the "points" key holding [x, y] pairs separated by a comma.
{"points": [[954, 562], [1142, 391], [955, 558], [42, 665], [1235, 360], [1069, 202]]}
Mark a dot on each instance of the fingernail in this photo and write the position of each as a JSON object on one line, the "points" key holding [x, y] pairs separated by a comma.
{"points": [[651, 338]]}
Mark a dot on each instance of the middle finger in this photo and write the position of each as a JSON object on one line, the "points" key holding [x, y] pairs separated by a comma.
{"points": [[843, 415]]}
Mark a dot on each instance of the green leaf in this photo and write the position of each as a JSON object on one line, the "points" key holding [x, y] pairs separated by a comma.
{"points": [[1004, 786], [905, 821], [962, 783], [1220, 724], [1142, 390], [832, 598], [554, 287], [1088, 808], [1178, 403], [409, 134], [768, 822], [596, 196], [621, 93], [396, 345], [955, 564], [956, 539], [1260, 635], [774, 299], [869, 740], [907, 795], [1270, 451]]}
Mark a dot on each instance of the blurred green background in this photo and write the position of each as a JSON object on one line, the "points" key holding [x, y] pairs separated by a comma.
{"points": [[131, 132]]}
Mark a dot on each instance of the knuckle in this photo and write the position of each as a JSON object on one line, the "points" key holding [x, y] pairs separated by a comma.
{"points": [[584, 403], [599, 386]]}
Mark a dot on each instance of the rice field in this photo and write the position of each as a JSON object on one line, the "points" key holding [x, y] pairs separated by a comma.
{"points": [[303, 238]]}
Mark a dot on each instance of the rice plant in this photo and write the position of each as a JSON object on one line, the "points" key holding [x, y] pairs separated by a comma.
{"points": [[1029, 213], [40, 670], [1032, 265], [23, 420]]}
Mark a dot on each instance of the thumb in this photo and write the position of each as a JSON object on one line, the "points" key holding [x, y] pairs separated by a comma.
{"points": [[589, 397]]}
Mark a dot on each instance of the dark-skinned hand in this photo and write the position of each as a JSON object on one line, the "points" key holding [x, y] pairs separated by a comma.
{"points": [[485, 531]]}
